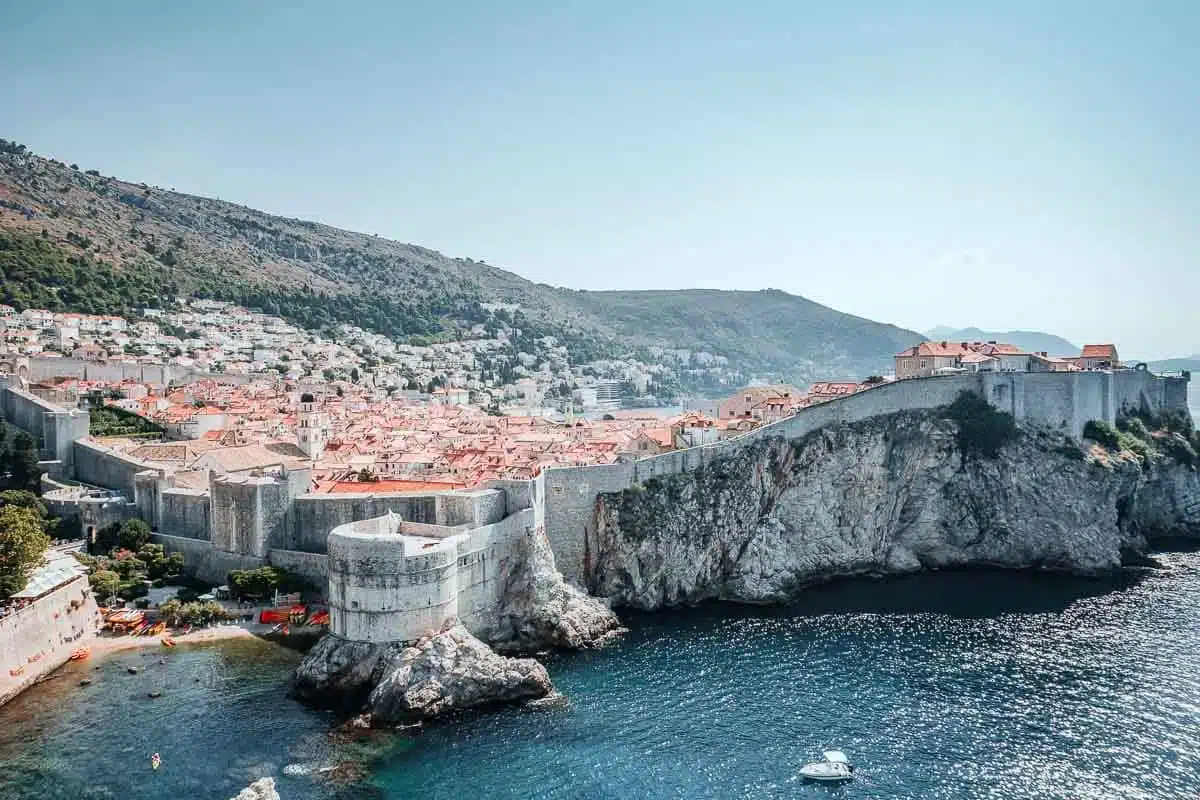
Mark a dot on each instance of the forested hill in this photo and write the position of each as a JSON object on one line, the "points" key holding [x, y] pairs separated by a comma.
{"points": [[73, 239]]}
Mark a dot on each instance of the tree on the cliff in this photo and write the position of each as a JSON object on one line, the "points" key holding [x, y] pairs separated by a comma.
{"points": [[22, 464], [23, 546], [105, 584]]}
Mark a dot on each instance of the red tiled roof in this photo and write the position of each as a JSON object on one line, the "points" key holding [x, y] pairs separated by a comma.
{"points": [[1099, 351]]}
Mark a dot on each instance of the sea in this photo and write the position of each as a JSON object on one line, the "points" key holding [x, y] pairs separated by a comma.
{"points": [[942, 685]]}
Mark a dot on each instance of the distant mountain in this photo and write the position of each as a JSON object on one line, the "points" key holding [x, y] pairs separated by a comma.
{"points": [[1028, 341], [77, 240], [1189, 364]]}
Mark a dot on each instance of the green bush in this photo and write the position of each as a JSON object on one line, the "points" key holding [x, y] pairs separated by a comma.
{"points": [[1139, 447], [1179, 448], [264, 581], [1102, 434], [982, 430]]}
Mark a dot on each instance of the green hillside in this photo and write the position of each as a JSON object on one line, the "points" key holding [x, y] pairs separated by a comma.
{"points": [[74, 239]]}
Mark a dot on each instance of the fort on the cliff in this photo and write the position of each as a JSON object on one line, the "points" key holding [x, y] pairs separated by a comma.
{"points": [[398, 565]]}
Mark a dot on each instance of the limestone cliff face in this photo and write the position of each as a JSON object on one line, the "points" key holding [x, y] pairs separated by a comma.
{"points": [[541, 610], [890, 494]]}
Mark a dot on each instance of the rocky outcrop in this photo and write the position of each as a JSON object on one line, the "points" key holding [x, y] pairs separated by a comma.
{"points": [[337, 672], [447, 671], [452, 671], [542, 611], [889, 494], [262, 789]]}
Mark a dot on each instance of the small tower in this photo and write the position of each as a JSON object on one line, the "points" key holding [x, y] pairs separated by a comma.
{"points": [[312, 427]]}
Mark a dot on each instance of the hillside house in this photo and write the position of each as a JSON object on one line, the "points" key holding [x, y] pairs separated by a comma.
{"points": [[1098, 356], [742, 404]]}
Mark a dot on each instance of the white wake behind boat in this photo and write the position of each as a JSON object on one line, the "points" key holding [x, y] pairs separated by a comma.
{"points": [[835, 767]]}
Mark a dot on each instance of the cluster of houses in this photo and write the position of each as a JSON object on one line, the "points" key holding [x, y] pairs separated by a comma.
{"points": [[927, 359]]}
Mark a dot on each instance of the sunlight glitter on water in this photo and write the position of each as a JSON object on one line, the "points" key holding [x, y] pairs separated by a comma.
{"points": [[975, 685]]}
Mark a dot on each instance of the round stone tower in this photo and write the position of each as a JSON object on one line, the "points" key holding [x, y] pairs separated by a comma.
{"points": [[387, 587]]}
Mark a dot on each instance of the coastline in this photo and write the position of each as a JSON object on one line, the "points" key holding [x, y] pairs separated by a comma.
{"points": [[102, 644]]}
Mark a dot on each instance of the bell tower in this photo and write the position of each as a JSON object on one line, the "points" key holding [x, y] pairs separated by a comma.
{"points": [[312, 427]]}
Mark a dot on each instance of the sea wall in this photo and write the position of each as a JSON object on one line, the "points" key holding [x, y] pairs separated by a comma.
{"points": [[39, 638]]}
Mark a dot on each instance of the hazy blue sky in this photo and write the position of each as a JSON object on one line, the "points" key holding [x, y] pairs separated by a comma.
{"points": [[1030, 165]]}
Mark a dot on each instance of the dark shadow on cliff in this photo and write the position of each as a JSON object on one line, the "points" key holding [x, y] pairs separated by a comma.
{"points": [[967, 594]]}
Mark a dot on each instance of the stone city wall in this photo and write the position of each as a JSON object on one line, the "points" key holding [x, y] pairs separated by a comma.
{"points": [[1061, 401], [315, 515], [185, 512], [384, 587], [203, 560], [98, 465], [52, 427], [39, 638], [313, 566]]}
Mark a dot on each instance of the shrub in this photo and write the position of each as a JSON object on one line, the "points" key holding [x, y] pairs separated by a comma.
{"points": [[1179, 448], [1102, 433], [1139, 447], [982, 430], [1134, 426]]}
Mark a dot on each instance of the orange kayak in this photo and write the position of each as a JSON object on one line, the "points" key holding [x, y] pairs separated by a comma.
{"points": [[167, 641], [81, 653]]}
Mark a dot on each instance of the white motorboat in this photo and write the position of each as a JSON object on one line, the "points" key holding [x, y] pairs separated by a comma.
{"points": [[835, 767]]}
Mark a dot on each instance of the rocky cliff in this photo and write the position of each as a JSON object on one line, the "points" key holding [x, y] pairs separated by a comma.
{"points": [[263, 789], [897, 493]]}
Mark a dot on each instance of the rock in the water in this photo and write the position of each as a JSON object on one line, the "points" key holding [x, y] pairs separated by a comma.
{"points": [[452, 671], [262, 789], [339, 672]]}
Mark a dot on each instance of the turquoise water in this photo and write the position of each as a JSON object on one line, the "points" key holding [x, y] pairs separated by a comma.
{"points": [[968, 685]]}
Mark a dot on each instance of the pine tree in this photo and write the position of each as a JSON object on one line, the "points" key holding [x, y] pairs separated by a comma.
{"points": [[23, 470]]}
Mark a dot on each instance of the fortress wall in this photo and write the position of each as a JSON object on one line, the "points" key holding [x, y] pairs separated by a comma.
{"points": [[312, 566], [238, 515], [203, 560], [185, 513], [313, 516], [47, 629], [431, 531], [517, 494], [481, 507], [116, 371], [52, 428], [97, 465], [569, 513], [484, 555]]}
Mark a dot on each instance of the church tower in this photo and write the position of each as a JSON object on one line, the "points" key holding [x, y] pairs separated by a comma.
{"points": [[312, 427]]}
